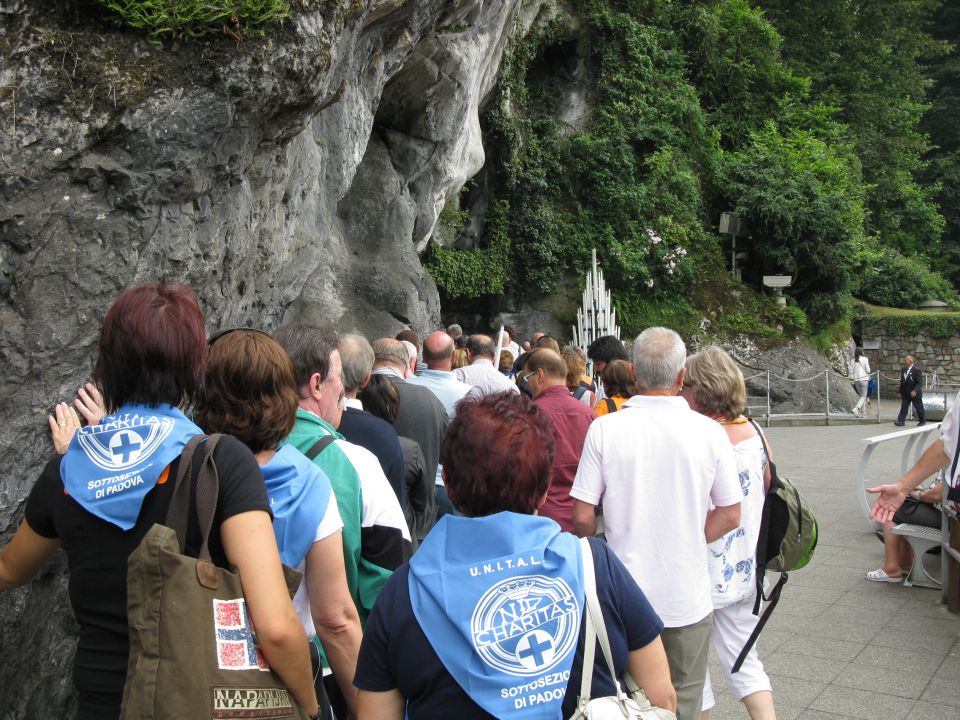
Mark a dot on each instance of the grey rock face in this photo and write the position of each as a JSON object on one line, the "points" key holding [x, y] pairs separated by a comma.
{"points": [[798, 377], [291, 177]]}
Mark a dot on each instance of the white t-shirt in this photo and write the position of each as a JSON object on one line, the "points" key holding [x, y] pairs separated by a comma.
{"points": [[948, 433], [380, 504], [658, 467], [329, 524]]}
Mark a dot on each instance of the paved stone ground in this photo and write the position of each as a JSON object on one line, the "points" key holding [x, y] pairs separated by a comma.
{"points": [[839, 646]]}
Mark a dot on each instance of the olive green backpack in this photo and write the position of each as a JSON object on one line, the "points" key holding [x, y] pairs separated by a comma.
{"points": [[787, 539]]}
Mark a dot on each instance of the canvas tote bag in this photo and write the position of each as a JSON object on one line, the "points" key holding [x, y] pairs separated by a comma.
{"points": [[193, 650]]}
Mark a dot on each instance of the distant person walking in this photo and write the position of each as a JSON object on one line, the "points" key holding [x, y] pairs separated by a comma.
{"points": [[911, 392], [861, 375]]}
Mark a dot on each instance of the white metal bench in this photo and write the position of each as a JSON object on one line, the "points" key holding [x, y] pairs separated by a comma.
{"points": [[916, 441], [921, 539]]}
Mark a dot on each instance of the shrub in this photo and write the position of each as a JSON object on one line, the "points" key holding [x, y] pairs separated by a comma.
{"points": [[884, 276], [159, 18]]}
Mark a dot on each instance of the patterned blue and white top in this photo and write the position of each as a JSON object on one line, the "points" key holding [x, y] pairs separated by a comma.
{"points": [[731, 559]]}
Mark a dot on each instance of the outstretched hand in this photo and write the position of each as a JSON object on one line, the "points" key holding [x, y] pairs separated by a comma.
{"points": [[64, 423], [89, 403], [890, 500]]}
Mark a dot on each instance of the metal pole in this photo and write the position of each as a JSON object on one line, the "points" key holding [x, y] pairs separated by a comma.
{"points": [[878, 396], [826, 377], [768, 398]]}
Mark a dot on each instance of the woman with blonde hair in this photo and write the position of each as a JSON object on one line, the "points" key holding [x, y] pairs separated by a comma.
{"points": [[580, 385], [714, 386]]}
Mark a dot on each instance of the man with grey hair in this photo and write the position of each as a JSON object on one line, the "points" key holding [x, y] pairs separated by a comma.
{"points": [[480, 373], [421, 417], [375, 537], [363, 428], [668, 481]]}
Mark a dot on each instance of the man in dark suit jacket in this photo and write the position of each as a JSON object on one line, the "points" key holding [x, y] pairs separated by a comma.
{"points": [[421, 417], [911, 391]]}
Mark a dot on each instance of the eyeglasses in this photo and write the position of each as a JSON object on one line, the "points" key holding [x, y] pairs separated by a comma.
{"points": [[527, 376]]}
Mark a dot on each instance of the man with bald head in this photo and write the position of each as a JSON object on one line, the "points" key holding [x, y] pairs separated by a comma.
{"points": [[911, 392], [480, 373], [438, 377]]}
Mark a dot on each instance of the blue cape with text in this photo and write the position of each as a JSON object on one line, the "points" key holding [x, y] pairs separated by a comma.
{"points": [[500, 600], [109, 468], [299, 493]]}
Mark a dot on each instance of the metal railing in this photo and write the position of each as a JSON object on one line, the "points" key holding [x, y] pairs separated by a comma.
{"points": [[825, 379]]}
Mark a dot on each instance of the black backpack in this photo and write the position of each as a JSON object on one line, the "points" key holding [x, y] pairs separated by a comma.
{"points": [[787, 539]]}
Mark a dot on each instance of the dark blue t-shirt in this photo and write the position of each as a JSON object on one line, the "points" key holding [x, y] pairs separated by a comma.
{"points": [[396, 654], [378, 436]]}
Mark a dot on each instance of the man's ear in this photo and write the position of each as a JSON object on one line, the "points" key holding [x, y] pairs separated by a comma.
{"points": [[314, 384], [365, 381]]}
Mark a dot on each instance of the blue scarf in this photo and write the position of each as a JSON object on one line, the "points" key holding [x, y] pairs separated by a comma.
{"points": [[500, 600], [299, 494], [109, 468]]}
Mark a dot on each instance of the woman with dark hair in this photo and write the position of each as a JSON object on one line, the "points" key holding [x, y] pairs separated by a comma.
{"points": [[714, 386], [250, 393], [619, 385], [380, 398], [486, 619], [151, 359]]}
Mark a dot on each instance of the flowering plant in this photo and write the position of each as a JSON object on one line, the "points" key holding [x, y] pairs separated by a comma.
{"points": [[647, 259]]}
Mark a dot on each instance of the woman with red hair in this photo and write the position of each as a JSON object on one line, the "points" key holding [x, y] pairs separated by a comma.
{"points": [[151, 359], [487, 618]]}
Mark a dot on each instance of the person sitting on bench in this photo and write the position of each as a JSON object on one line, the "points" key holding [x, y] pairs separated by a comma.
{"points": [[917, 509]]}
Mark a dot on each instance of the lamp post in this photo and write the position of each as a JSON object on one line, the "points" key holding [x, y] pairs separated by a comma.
{"points": [[731, 224]]}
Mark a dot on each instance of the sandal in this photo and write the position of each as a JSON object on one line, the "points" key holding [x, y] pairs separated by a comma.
{"points": [[880, 575]]}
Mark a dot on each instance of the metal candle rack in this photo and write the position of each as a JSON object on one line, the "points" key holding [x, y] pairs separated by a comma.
{"points": [[596, 316]]}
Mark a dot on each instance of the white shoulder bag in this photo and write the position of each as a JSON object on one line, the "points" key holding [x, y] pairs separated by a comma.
{"points": [[622, 706]]}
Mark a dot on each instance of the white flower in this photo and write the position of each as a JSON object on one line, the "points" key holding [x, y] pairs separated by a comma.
{"points": [[650, 283]]}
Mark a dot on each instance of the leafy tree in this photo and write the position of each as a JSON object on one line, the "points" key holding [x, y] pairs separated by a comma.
{"points": [[865, 58], [940, 122], [802, 200], [733, 55]]}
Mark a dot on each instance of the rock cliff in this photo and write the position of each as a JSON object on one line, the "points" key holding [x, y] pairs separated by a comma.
{"points": [[294, 176]]}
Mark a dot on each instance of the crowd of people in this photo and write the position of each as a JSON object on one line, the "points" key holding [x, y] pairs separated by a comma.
{"points": [[431, 491]]}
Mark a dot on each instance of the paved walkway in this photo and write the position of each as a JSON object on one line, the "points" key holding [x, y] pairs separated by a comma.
{"points": [[839, 646]]}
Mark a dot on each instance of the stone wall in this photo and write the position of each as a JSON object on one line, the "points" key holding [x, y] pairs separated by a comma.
{"points": [[934, 355]]}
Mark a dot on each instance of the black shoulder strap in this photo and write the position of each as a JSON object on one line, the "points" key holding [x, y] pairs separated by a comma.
{"points": [[578, 393], [772, 600], [319, 446], [763, 536], [611, 405]]}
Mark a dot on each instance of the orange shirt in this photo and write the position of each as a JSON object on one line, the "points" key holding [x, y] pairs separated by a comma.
{"points": [[601, 409]]}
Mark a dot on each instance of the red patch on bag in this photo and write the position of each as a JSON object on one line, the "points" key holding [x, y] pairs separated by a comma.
{"points": [[236, 645]]}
